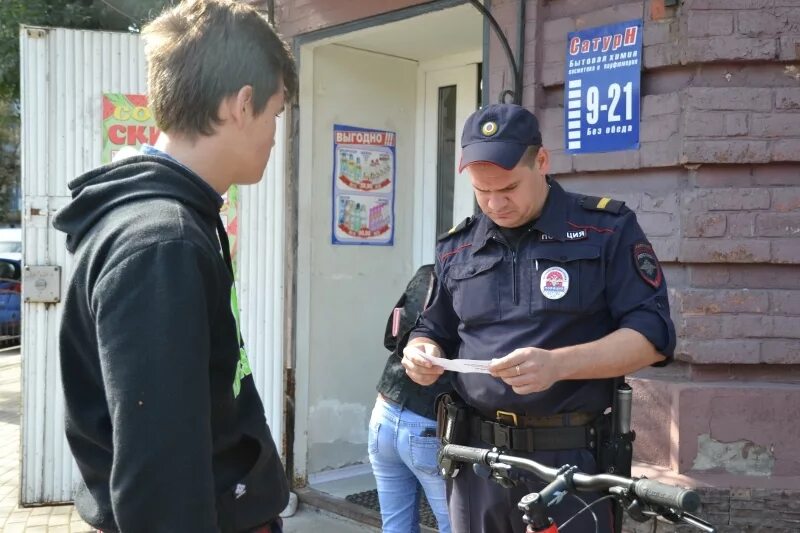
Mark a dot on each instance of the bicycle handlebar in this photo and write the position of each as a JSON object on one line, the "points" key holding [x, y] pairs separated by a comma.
{"points": [[647, 490]]}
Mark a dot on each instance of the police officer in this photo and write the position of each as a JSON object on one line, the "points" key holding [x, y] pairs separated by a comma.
{"points": [[561, 292]]}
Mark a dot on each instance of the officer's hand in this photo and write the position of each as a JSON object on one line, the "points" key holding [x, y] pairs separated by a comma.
{"points": [[527, 370], [419, 369]]}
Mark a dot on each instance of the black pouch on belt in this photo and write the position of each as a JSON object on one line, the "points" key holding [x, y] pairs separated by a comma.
{"points": [[452, 427]]}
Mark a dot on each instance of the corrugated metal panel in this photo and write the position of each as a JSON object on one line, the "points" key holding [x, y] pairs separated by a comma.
{"points": [[261, 268], [64, 74]]}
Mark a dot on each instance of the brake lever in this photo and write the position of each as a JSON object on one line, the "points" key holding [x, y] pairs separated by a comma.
{"points": [[672, 517]]}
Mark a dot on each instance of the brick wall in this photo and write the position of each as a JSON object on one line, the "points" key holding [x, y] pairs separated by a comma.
{"points": [[716, 186]]}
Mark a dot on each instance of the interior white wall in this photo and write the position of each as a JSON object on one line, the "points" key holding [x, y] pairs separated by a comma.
{"points": [[345, 293]]}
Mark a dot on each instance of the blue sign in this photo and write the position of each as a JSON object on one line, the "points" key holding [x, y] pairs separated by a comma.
{"points": [[601, 88]]}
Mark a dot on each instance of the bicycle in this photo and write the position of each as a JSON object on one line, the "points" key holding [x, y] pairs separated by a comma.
{"points": [[643, 499]]}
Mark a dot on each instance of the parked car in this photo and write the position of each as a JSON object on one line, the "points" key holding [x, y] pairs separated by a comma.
{"points": [[10, 299], [11, 243]]}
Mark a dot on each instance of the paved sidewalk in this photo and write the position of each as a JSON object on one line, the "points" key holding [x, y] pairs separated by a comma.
{"points": [[64, 518], [14, 519]]}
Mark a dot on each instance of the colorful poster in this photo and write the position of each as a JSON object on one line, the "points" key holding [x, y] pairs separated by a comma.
{"points": [[601, 88], [363, 186], [127, 121]]}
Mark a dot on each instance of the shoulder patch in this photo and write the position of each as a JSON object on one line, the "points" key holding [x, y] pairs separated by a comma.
{"points": [[455, 229], [647, 265], [595, 203]]}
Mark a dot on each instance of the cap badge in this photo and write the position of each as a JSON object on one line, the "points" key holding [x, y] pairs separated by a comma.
{"points": [[489, 128]]}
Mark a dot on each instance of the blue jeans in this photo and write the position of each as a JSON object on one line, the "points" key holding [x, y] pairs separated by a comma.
{"points": [[402, 458]]}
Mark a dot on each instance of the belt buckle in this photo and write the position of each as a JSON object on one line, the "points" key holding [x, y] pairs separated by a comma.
{"points": [[507, 417]]}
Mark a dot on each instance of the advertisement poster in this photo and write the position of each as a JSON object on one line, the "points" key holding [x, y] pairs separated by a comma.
{"points": [[363, 186], [127, 121], [601, 88]]}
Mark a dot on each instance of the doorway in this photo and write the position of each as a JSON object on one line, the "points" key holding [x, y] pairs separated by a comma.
{"points": [[419, 79]]}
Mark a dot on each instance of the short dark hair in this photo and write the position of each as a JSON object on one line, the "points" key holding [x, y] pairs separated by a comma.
{"points": [[529, 155], [201, 52]]}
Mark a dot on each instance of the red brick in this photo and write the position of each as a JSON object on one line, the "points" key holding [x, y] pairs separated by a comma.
{"points": [[776, 174], [730, 98], [735, 124], [778, 224], [741, 224], [786, 251], [660, 202], [760, 23], [704, 24], [709, 276], [656, 32], [788, 47], [660, 153], [661, 55], [557, 30], [787, 98], [729, 47], [658, 224], [725, 152], [699, 327], [723, 301], [704, 225], [775, 125], [785, 150], [704, 124], [606, 161], [722, 176], [724, 251], [786, 326], [660, 104], [659, 129], [785, 302], [764, 276], [666, 248], [734, 199], [782, 352], [744, 326], [721, 351], [786, 199]]}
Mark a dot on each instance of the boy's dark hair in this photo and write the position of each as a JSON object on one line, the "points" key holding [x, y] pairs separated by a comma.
{"points": [[201, 52]]}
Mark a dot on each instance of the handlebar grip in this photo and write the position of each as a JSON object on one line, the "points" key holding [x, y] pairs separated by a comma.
{"points": [[657, 493], [465, 454]]}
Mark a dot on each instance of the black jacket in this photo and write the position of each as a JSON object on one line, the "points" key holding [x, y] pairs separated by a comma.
{"points": [[394, 383], [149, 354]]}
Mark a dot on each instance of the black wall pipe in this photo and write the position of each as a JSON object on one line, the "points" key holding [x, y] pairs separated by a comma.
{"points": [[516, 93]]}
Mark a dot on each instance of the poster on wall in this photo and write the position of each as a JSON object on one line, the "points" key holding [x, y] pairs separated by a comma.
{"points": [[127, 121], [601, 88], [363, 186]]}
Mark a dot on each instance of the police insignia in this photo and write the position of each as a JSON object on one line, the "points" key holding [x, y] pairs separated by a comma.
{"points": [[647, 265], [489, 128]]}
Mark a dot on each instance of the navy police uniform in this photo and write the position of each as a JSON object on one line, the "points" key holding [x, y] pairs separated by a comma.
{"points": [[580, 271]]}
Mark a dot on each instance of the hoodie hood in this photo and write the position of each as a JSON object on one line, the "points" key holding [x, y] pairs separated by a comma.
{"points": [[133, 179]]}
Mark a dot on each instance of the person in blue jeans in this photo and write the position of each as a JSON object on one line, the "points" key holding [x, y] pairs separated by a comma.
{"points": [[403, 445]]}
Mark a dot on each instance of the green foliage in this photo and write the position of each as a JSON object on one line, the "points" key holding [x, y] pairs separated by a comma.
{"points": [[119, 15]]}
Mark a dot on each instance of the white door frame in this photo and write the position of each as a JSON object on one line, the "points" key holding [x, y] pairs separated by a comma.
{"points": [[460, 70]]}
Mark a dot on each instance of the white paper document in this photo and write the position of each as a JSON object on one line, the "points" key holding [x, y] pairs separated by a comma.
{"points": [[457, 365]]}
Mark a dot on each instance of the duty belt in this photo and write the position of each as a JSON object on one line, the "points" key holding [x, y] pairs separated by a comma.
{"points": [[530, 434]]}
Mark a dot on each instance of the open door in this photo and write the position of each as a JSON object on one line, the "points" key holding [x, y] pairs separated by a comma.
{"points": [[451, 95]]}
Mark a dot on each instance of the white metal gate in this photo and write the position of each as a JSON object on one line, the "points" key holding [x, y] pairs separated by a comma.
{"points": [[64, 74]]}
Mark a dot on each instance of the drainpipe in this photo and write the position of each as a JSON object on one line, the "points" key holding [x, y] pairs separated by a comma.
{"points": [[516, 71]]}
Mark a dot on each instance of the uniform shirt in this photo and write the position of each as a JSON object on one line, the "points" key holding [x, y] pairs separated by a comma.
{"points": [[583, 270]]}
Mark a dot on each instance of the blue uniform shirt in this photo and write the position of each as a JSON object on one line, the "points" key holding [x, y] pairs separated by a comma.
{"points": [[583, 270]]}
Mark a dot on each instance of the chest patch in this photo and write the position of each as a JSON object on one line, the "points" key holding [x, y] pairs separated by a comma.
{"points": [[554, 283], [572, 235], [647, 265]]}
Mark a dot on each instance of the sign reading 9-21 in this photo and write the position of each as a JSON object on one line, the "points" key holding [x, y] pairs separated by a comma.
{"points": [[601, 88]]}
